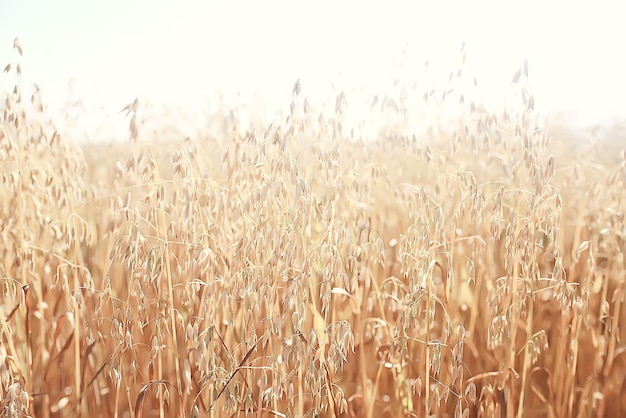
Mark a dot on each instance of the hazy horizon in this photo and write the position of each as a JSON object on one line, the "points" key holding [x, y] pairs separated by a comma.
{"points": [[179, 55]]}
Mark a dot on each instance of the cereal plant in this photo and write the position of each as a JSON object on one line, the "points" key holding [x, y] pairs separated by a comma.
{"points": [[296, 270]]}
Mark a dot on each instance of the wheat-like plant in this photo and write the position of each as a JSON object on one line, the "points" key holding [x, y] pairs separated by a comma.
{"points": [[295, 270]]}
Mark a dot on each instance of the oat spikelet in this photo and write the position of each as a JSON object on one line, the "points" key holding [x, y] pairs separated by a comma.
{"points": [[18, 46]]}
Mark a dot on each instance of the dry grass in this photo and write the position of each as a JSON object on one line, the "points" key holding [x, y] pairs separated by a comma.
{"points": [[284, 273]]}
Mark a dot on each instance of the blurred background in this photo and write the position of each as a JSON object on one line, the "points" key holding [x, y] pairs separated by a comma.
{"points": [[93, 58]]}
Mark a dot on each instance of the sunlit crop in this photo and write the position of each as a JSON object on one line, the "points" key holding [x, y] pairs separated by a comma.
{"points": [[297, 270]]}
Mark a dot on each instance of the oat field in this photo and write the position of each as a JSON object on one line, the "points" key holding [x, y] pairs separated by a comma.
{"points": [[297, 270]]}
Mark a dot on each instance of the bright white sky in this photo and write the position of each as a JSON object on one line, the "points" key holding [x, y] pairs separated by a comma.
{"points": [[177, 52]]}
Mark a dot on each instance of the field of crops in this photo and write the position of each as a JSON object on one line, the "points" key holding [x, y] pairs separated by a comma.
{"points": [[297, 270]]}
